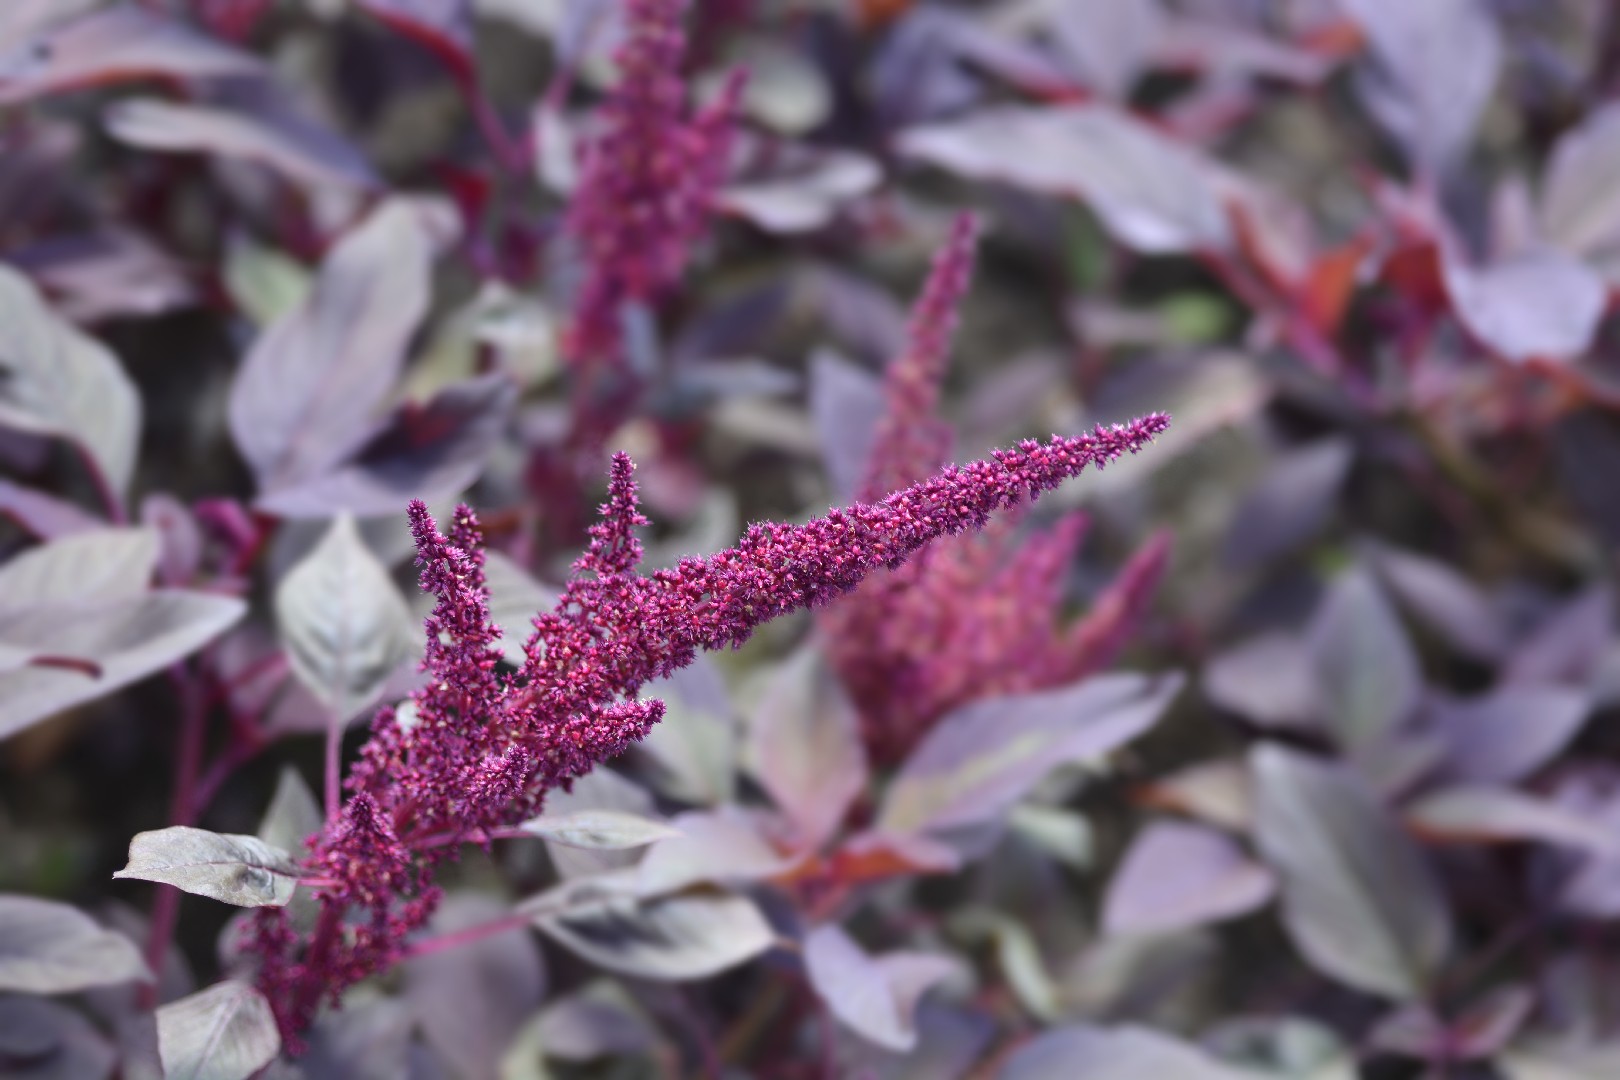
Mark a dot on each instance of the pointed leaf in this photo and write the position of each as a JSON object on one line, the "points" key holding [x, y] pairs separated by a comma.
{"points": [[723, 845], [1267, 680], [241, 870], [1177, 875], [805, 746], [1509, 733], [57, 380], [1480, 813], [308, 393], [1580, 208], [344, 624], [1445, 601], [874, 996], [1358, 899], [293, 815], [51, 948], [981, 759], [685, 936], [1365, 665], [225, 1032], [1119, 1053], [600, 830]]}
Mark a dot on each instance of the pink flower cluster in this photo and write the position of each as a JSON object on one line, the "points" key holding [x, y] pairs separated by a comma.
{"points": [[483, 748], [980, 615], [647, 180]]}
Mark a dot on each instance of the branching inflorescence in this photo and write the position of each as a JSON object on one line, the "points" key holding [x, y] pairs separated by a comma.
{"points": [[483, 748], [979, 615]]}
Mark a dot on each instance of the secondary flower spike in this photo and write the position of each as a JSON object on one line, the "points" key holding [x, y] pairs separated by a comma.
{"points": [[483, 749]]}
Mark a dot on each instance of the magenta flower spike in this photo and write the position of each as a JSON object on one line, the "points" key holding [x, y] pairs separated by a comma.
{"points": [[483, 748]]}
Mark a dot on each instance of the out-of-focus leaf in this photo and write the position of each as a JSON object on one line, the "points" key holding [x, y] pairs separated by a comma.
{"points": [[806, 199], [695, 747], [293, 814], [1478, 1033], [264, 283], [240, 870], [1580, 208], [154, 124], [1117, 1053], [344, 624], [1065, 835], [805, 747], [723, 845], [57, 380], [1177, 875], [86, 567], [597, 790], [689, 935], [1592, 886], [600, 1021], [1219, 792], [1547, 1059], [444, 26], [1507, 734], [1539, 305], [515, 598], [846, 402], [950, 1040], [1366, 668], [1445, 601], [1480, 813], [1153, 195], [982, 758], [114, 45], [600, 830], [107, 273], [1358, 900], [1435, 65], [365, 1040], [429, 451], [1568, 645], [874, 996], [226, 1032], [786, 90], [39, 514], [1017, 955], [1143, 977], [44, 1040], [1106, 42], [1586, 445], [1288, 1048], [1290, 504], [1266, 680], [51, 948], [471, 1000], [21, 17], [307, 393]]}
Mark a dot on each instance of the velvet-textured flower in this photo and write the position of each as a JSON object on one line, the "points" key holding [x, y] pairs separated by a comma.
{"points": [[975, 616]]}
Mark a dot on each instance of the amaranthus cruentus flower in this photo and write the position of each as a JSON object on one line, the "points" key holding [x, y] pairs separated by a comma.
{"points": [[647, 180], [482, 748], [979, 615]]}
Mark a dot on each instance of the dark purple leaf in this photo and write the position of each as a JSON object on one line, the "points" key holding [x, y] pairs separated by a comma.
{"points": [[1154, 195], [1366, 670], [366, 1040], [1178, 875], [471, 1000], [1358, 900], [1580, 208], [42, 1040], [307, 395], [1445, 601], [1266, 680], [1508, 734], [1118, 1053], [874, 996], [443, 26], [107, 273], [1290, 504], [580, 1028], [982, 758], [1539, 305], [805, 746], [1479, 1033], [1483, 814], [1592, 887], [950, 1041], [1587, 447], [1434, 68], [114, 45], [1568, 646]]}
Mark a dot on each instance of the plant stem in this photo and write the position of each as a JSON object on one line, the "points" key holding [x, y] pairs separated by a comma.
{"points": [[334, 765], [425, 946]]}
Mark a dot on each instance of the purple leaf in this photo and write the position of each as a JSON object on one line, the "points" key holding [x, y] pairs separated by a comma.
{"points": [[1479, 1033], [846, 402], [1434, 68], [581, 1028], [229, 867], [1153, 195], [982, 758], [307, 394], [1290, 504], [1507, 734], [1266, 680], [1366, 669], [43, 516], [874, 996], [1479, 813], [597, 790], [1568, 645], [1445, 601], [312, 158], [694, 749], [443, 26], [225, 1030], [471, 1000], [1592, 888], [806, 198], [1580, 205], [43, 1040], [1358, 900], [114, 45], [1107, 43], [805, 745], [51, 948], [1118, 1053], [1539, 305], [714, 846], [431, 451], [107, 273], [1219, 792], [1178, 875]]}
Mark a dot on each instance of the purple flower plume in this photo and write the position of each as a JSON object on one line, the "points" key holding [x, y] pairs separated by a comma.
{"points": [[976, 616], [483, 748]]}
